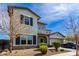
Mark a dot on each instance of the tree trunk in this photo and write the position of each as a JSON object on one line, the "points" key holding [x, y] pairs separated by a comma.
{"points": [[10, 10], [56, 49], [11, 43], [76, 37]]}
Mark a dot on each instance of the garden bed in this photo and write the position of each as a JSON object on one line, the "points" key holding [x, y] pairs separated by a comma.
{"points": [[33, 52], [51, 52]]}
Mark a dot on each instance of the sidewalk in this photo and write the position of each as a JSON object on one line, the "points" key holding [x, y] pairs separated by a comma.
{"points": [[71, 53]]}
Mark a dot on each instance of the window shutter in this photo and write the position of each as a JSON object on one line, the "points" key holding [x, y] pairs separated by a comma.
{"points": [[21, 20], [34, 39], [31, 21]]}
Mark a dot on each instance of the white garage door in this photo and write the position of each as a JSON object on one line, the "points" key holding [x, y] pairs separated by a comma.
{"points": [[53, 40]]}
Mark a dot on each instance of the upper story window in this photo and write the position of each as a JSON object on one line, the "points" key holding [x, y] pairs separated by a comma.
{"points": [[26, 20]]}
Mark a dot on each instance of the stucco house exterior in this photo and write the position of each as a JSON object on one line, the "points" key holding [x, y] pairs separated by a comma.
{"points": [[29, 30], [25, 25], [43, 33]]}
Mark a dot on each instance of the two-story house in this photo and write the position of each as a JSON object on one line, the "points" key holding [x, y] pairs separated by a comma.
{"points": [[30, 32], [25, 26]]}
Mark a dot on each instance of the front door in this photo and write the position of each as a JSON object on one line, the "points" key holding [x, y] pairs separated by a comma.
{"points": [[43, 40]]}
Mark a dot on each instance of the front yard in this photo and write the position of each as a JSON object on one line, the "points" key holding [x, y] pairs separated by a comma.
{"points": [[31, 52]]}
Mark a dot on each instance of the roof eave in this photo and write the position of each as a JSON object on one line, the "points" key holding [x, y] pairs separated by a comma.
{"points": [[25, 8]]}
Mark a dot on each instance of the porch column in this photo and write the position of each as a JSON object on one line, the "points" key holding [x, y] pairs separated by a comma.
{"points": [[14, 41], [36, 40], [48, 41]]}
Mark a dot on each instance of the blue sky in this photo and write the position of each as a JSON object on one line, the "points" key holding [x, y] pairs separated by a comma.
{"points": [[4, 36], [54, 14]]}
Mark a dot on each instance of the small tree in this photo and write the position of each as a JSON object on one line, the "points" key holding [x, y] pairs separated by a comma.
{"points": [[56, 45]]}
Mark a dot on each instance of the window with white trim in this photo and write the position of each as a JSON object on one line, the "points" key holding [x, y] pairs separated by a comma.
{"points": [[26, 39], [23, 40], [18, 41], [26, 20], [30, 38]]}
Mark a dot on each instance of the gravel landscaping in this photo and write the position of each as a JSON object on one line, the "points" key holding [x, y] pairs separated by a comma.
{"points": [[31, 52]]}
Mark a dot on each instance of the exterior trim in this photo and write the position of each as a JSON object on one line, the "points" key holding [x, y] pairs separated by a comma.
{"points": [[57, 33], [42, 23], [55, 38], [24, 8]]}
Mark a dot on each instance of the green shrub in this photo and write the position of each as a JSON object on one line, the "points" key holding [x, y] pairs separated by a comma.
{"points": [[43, 48], [42, 44], [61, 50], [56, 45]]}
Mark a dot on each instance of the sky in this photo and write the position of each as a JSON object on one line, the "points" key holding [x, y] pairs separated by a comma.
{"points": [[54, 14], [4, 36]]}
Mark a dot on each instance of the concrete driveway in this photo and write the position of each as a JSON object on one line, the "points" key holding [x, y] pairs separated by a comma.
{"points": [[71, 53]]}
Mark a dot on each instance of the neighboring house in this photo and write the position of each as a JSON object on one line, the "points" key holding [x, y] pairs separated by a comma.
{"points": [[56, 37], [4, 40]]}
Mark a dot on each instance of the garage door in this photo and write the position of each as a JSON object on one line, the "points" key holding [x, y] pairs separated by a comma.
{"points": [[53, 40]]}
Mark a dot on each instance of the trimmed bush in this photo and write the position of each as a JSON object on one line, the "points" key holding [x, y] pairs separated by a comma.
{"points": [[56, 45], [43, 44], [43, 48]]}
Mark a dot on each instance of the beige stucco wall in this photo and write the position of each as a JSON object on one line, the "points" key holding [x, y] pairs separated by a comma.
{"points": [[22, 28]]}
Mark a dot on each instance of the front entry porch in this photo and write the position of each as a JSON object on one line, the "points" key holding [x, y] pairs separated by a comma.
{"points": [[43, 39]]}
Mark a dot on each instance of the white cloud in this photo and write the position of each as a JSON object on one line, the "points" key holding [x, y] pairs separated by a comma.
{"points": [[48, 12], [4, 18], [54, 12]]}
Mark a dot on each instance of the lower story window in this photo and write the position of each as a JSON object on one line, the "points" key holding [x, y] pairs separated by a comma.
{"points": [[23, 41], [18, 41], [29, 41], [30, 38]]}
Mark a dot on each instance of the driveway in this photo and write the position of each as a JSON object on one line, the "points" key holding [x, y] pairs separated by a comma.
{"points": [[71, 53]]}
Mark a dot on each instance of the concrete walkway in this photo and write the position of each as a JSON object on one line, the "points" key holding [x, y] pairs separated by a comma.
{"points": [[71, 53]]}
